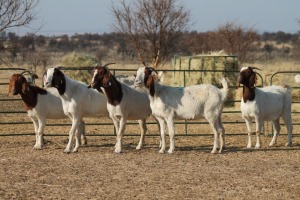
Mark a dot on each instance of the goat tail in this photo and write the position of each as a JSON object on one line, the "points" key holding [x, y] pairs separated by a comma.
{"points": [[224, 89], [289, 88], [288, 91]]}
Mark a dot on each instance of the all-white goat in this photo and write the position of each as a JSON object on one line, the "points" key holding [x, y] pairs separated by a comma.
{"points": [[193, 102], [124, 102], [264, 104], [40, 105], [78, 101]]}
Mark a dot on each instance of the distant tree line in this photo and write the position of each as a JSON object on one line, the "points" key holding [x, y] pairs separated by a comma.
{"points": [[267, 45], [147, 31]]}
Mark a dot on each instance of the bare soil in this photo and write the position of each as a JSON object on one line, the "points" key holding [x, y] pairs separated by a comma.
{"points": [[96, 172]]}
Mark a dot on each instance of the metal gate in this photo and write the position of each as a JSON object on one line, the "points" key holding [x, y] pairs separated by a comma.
{"points": [[6, 112]]}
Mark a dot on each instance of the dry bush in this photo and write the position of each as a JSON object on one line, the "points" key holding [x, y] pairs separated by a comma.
{"points": [[214, 61], [78, 60]]}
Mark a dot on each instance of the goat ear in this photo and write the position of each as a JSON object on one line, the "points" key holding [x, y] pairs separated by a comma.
{"points": [[150, 84], [252, 80], [154, 74], [60, 79], [152, 91], [106, 79], [24, 87], [149, 80]]}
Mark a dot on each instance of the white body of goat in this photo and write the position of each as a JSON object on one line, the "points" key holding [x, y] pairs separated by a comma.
{"points": [[193, 102], [41, 105], [270, 104], [124, 103], [78, 101], [264, 104], [50, 107], [134, 106]]}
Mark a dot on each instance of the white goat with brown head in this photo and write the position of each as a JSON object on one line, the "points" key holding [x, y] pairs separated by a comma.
{"points": [[40, 105], [78, 101], [124, 102], [192, 102], [264, 104]]}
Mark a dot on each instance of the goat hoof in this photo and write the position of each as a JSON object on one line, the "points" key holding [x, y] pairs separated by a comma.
{"points": [[161, 151], [170, 151], [138, 148], [214, 151], [118, 151], [288, 144], [221, 150], [75, 151], [271, 144], [67, 151], [37, 147], [84, 142]]}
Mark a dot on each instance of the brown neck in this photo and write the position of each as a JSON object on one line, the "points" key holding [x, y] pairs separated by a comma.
{"points": [[114, 91], [30, 98], [248, 93]]}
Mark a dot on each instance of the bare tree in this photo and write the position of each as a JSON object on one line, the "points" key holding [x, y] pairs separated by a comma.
{"points": [[235, 39], [153, 27], [34, 59], [16, 13]]}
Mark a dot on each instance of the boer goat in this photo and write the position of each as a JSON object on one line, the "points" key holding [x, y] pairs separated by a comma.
{"points": [[124, 102], [77, 100], [193, 102], [264, 104], [40, 105]]}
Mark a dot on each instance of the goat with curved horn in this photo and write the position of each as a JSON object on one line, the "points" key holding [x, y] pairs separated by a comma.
{"points": [[26, 71], [256, 68], [108, 64]]}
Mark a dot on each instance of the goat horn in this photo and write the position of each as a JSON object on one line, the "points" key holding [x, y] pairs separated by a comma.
{"points": [[256, 68], [152, 69], [59, 67], [108, 64], [26, 71]]}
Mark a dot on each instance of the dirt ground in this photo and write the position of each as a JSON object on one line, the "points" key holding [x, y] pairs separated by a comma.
{"points": [[191, 172], [96, 172]]}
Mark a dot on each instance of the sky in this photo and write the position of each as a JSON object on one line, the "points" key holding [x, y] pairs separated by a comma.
{"points": [[55, 17]]}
